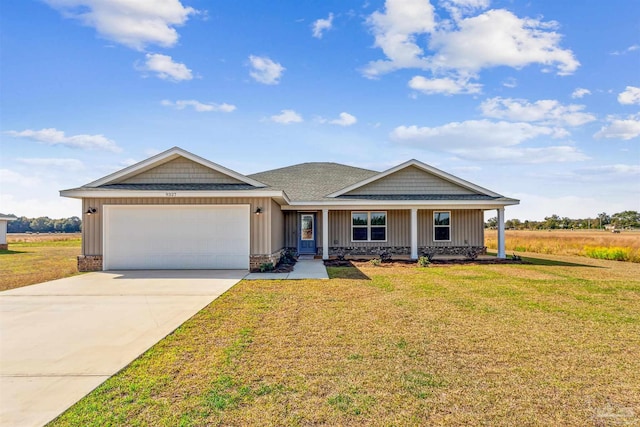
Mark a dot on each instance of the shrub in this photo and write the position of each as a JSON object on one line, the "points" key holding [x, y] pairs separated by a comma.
{"points": [[266, 266], [423, 261], [613, 253], [375, 262]]}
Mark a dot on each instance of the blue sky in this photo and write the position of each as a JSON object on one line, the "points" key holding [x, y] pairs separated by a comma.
{"points": [[535, 100]]}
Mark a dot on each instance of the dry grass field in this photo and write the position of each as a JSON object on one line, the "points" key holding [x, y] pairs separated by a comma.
{"points": [[551, 342], [624, 246], [36, 258]]}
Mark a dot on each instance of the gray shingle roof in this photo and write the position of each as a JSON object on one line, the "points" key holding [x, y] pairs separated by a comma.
{"points": [[421, 197], [312, 181]]}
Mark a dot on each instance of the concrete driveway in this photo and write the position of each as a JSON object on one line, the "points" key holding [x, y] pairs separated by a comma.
{"points": [[61, 339]]}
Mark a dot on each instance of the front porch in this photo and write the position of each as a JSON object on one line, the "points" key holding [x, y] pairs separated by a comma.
{"points": [[402, 233]]}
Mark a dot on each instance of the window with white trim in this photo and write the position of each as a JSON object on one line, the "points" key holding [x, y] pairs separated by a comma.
{"points": [[442, 226], [368, 226]]}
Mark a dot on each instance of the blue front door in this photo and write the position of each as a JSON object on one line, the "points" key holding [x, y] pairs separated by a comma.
{"points": [[307, 233]]}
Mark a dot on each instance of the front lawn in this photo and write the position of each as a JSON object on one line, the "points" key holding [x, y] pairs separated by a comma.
{"points": [[550, 343], [37, 258]]}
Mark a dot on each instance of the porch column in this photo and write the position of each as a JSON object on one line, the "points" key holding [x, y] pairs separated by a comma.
{"points": [[414, 233], [501, 253], [325, 233]]}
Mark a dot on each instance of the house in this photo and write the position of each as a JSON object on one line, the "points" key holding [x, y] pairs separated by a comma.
{"points": [[4, 219], [176, 210]]}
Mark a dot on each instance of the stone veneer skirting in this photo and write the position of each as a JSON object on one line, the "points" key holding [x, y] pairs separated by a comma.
{"points": [[255, 261], [401, 250], [89, 263]]}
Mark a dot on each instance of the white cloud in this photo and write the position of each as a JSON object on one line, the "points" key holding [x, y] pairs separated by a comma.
{"points": [[198, 106], [165, 68], [499, 38], [627, 50], [463, 46], [133, 23], [395, 33], [345, 119], [34, 206], [471, 134], [488, 140], [286, 117], [322, 25], [620, 129], [66, 164], [265, 70], [14, 178], [446, 86], [610, 171], [580, 93], [545, 111], [459, 8], [631, 95], [510, 82], [52, 136]]}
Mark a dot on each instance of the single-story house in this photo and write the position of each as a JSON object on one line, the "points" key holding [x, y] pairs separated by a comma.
{"points": [[4, 219], [176, 210]]}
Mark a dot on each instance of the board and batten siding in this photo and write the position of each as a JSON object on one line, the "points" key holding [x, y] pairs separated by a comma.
{"points": [[467, 227], [260, 227], [398, 229], [410, 180], [290, 229], [277, 227]]}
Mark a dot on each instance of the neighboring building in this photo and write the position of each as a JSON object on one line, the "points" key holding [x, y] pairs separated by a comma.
{"points": [[179, 211], [4, 219]]}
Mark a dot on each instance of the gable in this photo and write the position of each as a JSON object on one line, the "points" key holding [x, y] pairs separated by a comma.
{"points": [[410, 181], [180, 171]]}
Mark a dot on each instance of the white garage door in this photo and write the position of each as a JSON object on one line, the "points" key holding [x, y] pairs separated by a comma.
{"points": [[176, 237]]}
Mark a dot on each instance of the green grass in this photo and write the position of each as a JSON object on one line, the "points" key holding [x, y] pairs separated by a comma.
{"points": [[550, 343], [38, 260]]}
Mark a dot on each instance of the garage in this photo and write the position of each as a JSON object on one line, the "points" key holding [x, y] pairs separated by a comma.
{"points": [[168, 237]]}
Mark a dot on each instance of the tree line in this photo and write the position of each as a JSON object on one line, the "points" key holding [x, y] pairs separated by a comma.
{"points": [[44, 224], [620, 220]]}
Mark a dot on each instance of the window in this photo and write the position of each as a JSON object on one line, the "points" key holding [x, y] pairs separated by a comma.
{"points": [[368, 226], [442, 226]]}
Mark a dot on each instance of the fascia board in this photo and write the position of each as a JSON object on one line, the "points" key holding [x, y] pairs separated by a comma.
{"points": [[79, 193], [391, 204]]}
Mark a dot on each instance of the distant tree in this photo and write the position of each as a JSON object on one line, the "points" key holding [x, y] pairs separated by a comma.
{"points": [[603, 219], [44, 224], [626, 219], [552, 222], [491, 222]]}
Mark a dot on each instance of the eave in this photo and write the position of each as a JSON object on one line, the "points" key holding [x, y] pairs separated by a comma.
{"points": [[401, 204], [95, 193]]}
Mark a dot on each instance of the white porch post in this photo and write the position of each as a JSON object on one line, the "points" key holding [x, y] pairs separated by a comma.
{"points": [[414, 233], [325, 233], [501, 245]]}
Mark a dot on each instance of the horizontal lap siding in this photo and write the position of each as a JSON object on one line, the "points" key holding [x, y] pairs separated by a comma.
{"points": [[259, 232], [466, 225]]}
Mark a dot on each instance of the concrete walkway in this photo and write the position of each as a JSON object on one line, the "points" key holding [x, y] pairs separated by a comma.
{"points": [[303, 269], [61, 339]]}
